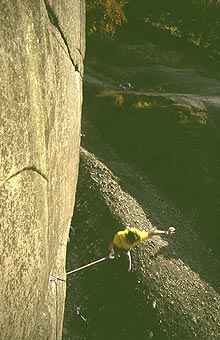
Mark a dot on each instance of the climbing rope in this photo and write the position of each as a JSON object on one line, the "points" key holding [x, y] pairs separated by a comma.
{"points": [[87, 265], [54, 277]]}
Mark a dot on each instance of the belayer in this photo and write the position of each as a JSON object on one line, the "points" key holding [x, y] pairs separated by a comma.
{"points": [[128, 238]]}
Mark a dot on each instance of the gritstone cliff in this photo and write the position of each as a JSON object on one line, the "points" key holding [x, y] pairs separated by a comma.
{"points": [[42, 52]]}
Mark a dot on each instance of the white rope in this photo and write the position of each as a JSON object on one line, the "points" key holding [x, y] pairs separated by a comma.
{"points": [[55, 278], [87, 265]]}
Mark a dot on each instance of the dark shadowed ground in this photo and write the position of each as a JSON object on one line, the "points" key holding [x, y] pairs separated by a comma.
{"points": [[149, 158]]}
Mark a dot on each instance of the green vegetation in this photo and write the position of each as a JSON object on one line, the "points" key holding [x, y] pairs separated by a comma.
{"points": [[104, 16], [195, 21], [152, 93]]}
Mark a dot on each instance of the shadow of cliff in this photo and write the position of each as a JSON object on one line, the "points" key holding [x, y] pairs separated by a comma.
{"points": [[117, 304], [186, 244]]}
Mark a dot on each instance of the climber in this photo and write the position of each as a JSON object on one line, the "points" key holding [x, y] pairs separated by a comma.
{"points": [[128, 238]]}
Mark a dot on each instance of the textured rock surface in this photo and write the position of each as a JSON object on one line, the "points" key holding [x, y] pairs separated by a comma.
{"points": [[42, 51]]}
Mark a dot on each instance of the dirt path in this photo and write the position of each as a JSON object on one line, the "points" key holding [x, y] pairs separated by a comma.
{"points": [[184, 86]]}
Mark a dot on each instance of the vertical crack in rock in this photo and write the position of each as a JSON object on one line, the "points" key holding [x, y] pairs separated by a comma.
{"points": [[55, 22]]}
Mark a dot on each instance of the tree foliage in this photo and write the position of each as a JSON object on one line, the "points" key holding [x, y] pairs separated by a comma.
{"points": [[197, 21], [104, 16]]}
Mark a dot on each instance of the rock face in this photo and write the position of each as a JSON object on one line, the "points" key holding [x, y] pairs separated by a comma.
{"points": [[42, 51]]}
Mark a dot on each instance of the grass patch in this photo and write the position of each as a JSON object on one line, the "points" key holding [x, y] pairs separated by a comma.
{"points": [[117, 98]]}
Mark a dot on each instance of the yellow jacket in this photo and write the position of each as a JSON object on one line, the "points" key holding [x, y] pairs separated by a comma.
{"points": [[120, 238]]}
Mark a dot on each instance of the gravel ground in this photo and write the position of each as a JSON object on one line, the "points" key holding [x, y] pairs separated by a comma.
{"points": [[173, 290]]}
